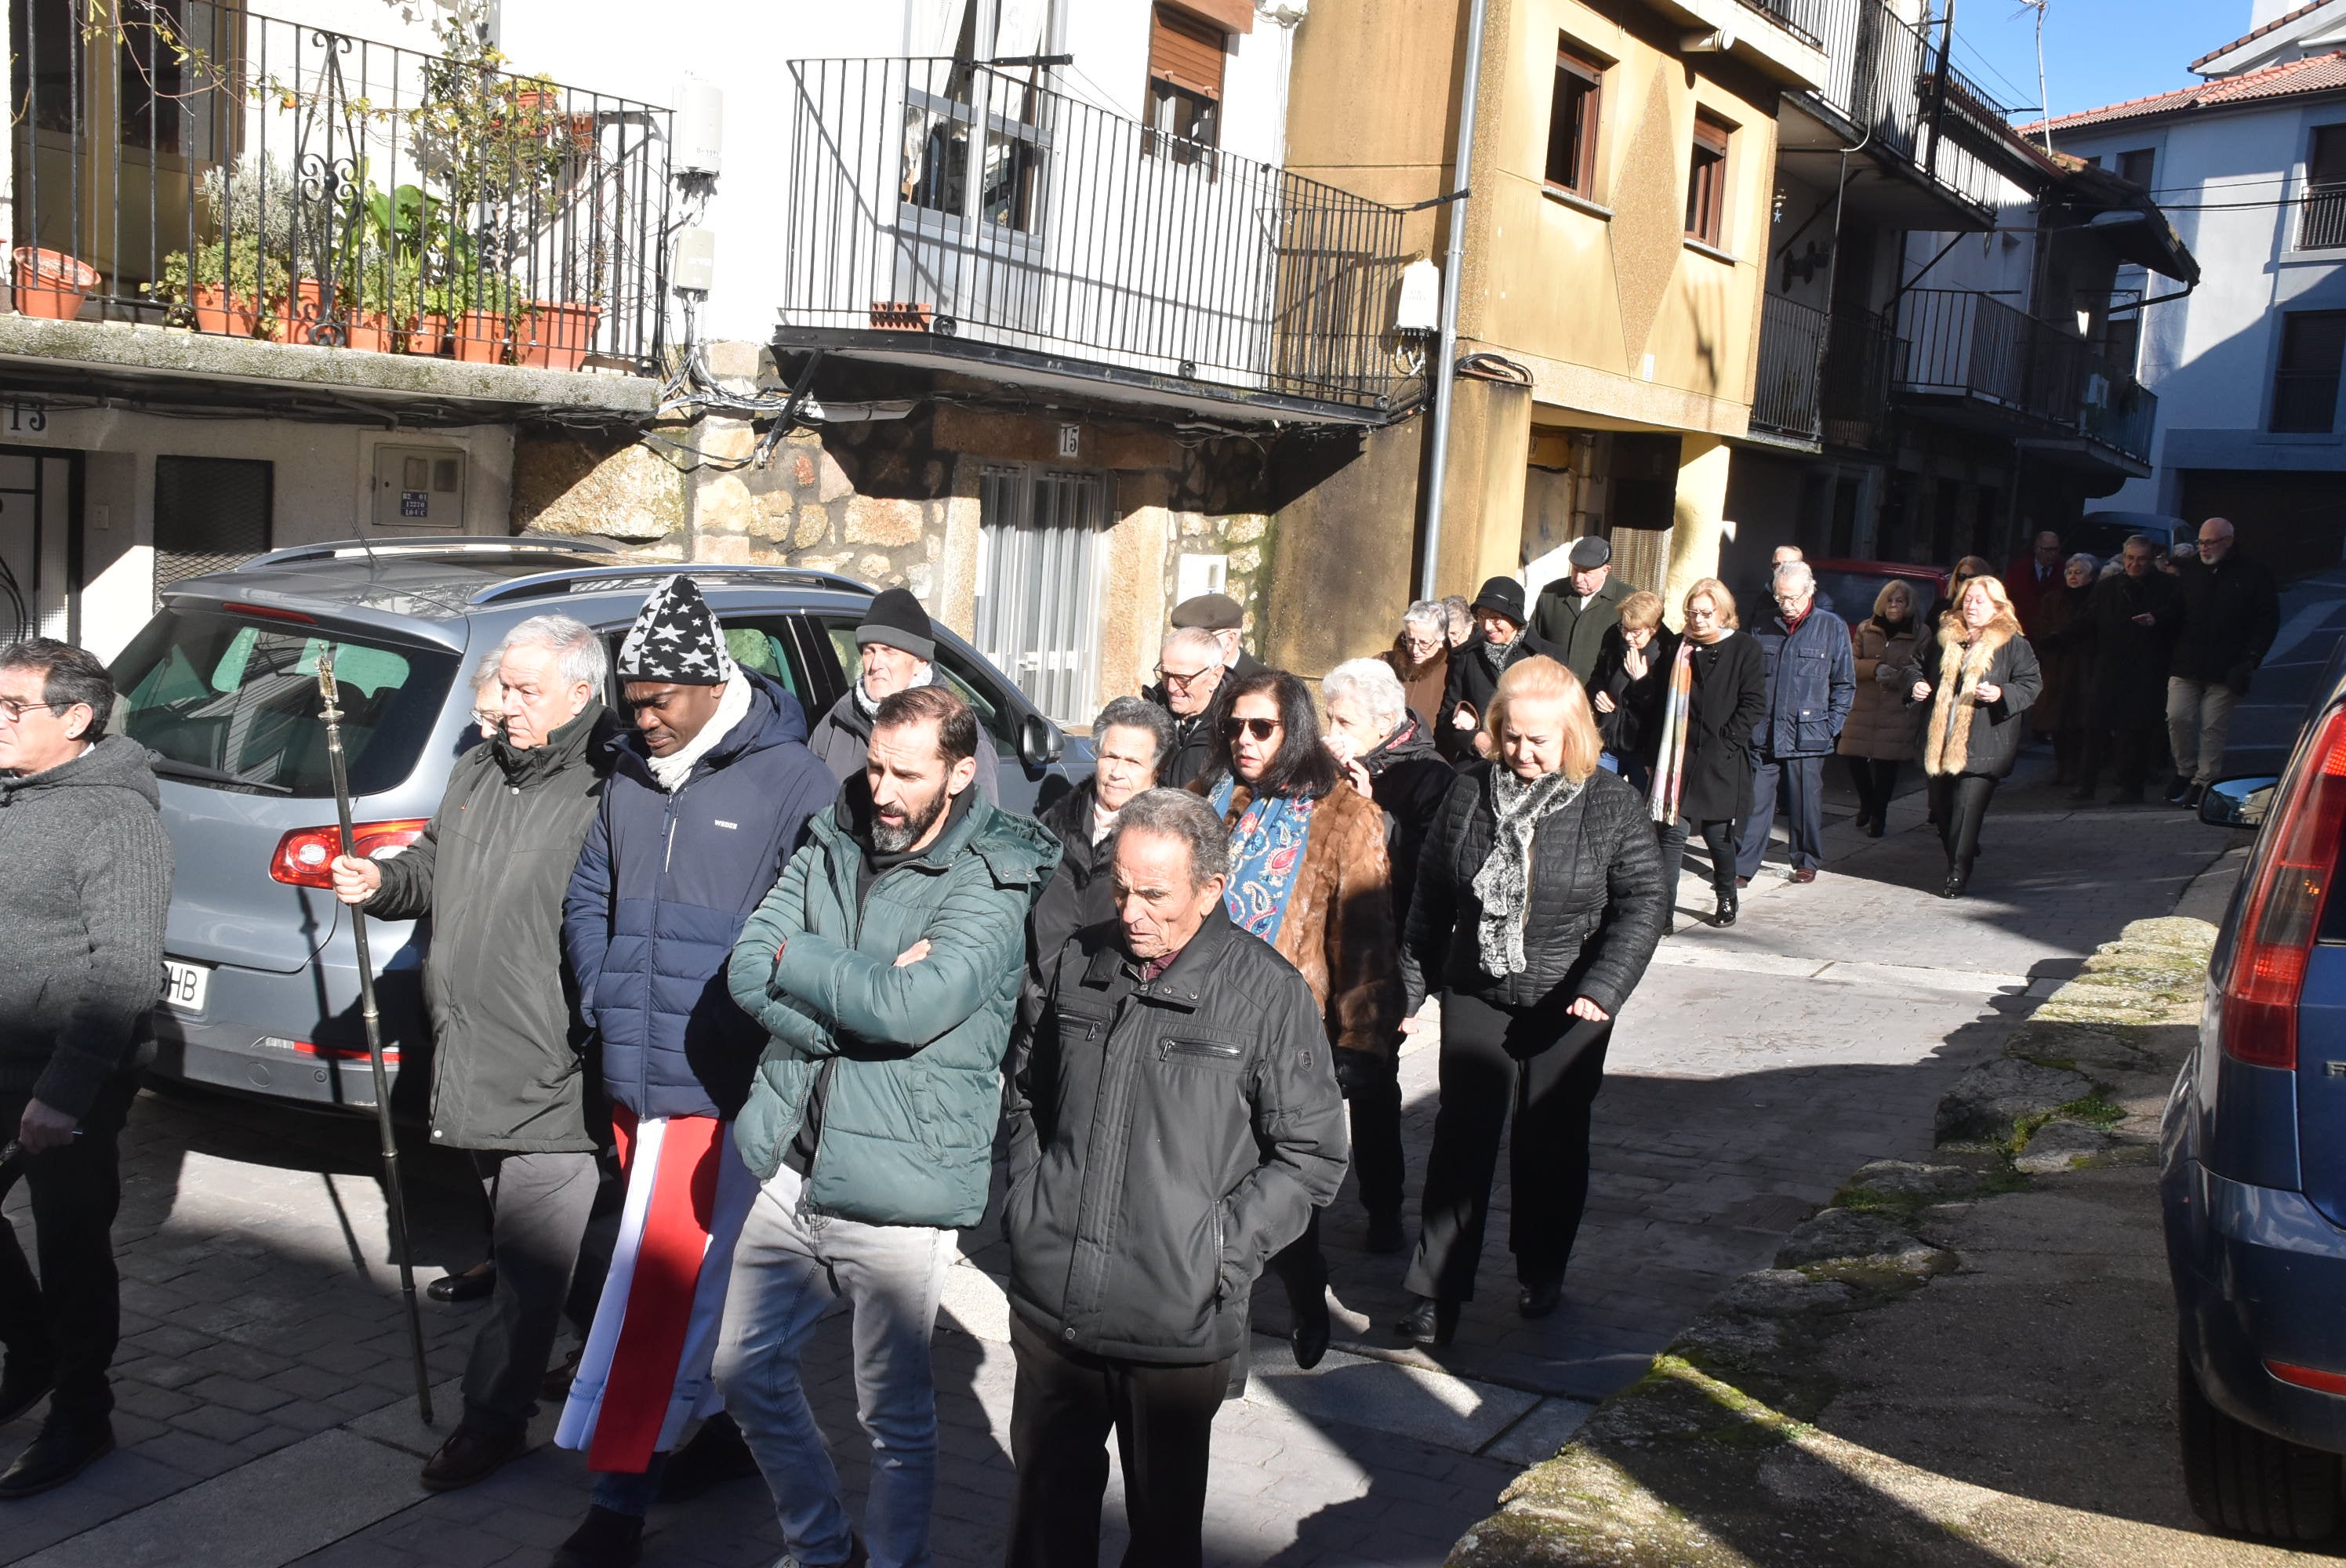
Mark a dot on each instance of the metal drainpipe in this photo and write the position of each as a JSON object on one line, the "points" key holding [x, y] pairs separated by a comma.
{"points": [[1445, 342]]}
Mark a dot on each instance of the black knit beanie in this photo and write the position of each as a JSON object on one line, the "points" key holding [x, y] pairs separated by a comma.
{"points": [[895, 619]]}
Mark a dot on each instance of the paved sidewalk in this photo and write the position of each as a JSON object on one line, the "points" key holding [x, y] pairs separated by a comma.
{"points": [[267, 1416]]}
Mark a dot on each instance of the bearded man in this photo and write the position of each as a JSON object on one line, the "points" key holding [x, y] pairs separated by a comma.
{"points": [[885, 969]]}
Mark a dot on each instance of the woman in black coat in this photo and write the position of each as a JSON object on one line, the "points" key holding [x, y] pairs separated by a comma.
{"points": [[1629, 684], [1539, 900], [1703, 764], [1978, 675]]}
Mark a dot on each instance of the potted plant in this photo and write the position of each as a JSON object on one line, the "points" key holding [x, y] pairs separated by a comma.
{"points": [[555, 337], [478, 302], [222, 286], [51, 284]]}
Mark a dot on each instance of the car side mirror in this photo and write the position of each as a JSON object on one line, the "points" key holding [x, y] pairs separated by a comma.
{"points": [[1039, 741], [2238, 802]]}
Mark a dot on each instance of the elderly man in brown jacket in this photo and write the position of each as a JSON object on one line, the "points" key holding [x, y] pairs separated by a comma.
{"points": [[1309, 875]]}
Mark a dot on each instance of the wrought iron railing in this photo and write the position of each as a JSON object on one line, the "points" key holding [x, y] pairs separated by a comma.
{"points": [[191, 162], [1805, 19], [947, 200], [1785, 398], [1862, 360], [2322, 224], [1880, 76], [1974, 347]]}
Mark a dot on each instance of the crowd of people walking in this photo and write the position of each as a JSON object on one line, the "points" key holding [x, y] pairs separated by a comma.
{"points": [[801, 1003]]}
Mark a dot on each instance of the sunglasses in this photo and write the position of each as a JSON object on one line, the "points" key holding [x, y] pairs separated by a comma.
{"points": [[1260, 728]]}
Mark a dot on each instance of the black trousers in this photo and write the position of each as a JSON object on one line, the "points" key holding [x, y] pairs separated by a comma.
{"points": [[1375, 1108], [1875, 780], [69, 1320], [2131, 756], [1959, 804], [1717, 839], [1493, 1060], [1065, 1405]]}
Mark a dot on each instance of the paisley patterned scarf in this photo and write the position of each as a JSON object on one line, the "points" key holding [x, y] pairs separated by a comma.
{"points": [[1266, 854]]}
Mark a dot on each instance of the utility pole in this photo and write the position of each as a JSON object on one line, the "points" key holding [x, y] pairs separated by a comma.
{"points": [[1441, 365]]}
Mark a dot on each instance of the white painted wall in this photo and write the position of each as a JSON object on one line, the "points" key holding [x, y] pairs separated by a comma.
{"points": [[2210, 358]]}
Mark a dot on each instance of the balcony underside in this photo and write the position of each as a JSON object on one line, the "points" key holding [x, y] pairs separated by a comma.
{"points": [[1884, 189], [175, 368], [2063, 448], [1044, 372]]}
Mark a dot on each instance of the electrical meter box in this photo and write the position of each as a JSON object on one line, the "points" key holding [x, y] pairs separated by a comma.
{"points": [[418, 489]]}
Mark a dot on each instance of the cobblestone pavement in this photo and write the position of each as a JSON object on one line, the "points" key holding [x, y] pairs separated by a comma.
{"points": [[267, 1415]]}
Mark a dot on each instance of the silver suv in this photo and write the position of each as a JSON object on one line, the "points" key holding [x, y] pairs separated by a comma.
{"points": [[222, 686]]}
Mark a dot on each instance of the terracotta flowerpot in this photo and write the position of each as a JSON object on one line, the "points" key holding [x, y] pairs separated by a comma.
{"points": [[51, 284], [232, 315], [427, 333], [481, 337], [370, 330], [555, 337]]}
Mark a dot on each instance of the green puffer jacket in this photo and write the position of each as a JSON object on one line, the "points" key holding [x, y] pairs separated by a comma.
{"points": [[913, 1053]]}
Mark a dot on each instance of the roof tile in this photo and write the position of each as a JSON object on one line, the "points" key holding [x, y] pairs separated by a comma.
{"points": [[2313, 73], [2254, 33]]}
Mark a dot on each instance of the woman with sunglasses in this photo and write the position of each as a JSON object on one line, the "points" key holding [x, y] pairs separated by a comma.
{"points": [[1539, 902], [1309, 875]]}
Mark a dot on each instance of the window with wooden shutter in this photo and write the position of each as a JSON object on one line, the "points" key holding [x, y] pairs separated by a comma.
{"points": [[1707, 183], [1185, 83], [1572, 112]]}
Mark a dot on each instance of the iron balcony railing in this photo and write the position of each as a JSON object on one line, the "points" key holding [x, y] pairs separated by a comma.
{"points": [[952, 201], [1880, 76], [1973, 347], [1785, 398], [195, 163], [2321, 225], [1861, 361]]}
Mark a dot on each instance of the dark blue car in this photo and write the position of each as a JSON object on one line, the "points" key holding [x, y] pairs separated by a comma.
{"points": [[2253, 1177]]}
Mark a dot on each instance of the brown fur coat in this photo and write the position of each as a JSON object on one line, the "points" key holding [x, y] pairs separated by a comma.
{"points": [[1339, 927], [1954, 671]]}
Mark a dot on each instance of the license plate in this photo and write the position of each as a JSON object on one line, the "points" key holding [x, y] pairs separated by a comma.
{"points": [[184, 985]]}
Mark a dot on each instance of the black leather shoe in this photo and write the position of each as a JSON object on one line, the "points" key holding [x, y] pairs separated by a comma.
{"points": [[2192, 796], [1308, 1338], [63, 1450], [1428, 1322], [1537, 1300], [1385, 1235], [1875, 829], [2176, 785], [23, 1385], [718, 1454], [471, 1453], [1728, 908], [607, 1540], [467, 1287], [555, 1387], [1955, 885]]}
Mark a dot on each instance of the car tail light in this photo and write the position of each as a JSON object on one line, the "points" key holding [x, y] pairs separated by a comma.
{"points": [[269, 612], [304, 854], [2282, 912], [2307, 1377]]}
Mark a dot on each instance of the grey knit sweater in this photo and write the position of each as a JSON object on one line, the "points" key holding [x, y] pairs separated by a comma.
{"points": [[85, 885]]}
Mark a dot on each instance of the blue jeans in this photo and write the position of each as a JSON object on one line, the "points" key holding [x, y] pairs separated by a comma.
{"points": [[790, 1268]]}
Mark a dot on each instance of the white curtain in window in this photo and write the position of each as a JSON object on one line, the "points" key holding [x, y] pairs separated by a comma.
{"points": [[933, 27], [1021, 27]]}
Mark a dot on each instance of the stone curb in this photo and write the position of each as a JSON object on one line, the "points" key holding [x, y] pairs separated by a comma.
{"points": [[2080, 1083]]}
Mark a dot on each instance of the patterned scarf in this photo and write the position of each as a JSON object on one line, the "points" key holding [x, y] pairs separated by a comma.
{"points": [[1266, 854], [1495, 654], [1505, 882], [1670, 762]]}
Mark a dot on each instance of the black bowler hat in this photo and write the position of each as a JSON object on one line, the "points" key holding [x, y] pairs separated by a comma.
{"points": [[1502, 596]]}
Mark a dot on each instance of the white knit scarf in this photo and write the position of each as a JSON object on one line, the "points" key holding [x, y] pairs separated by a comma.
{"points": [[869, 709], [732, 708]]}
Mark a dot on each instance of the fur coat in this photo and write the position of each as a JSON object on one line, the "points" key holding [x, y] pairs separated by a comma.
{"points": [[1339, 926], [1960, 736]]}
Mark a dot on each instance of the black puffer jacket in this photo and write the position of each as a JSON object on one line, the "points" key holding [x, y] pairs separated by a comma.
{"points": [[1167, 1137], [507, 1066], [1597, 899], [1471, 681]]}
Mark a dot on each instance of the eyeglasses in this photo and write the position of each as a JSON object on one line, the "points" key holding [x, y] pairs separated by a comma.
{"points": [[1421, 645], [1260, 728], [15, 711], [1176, 681]]}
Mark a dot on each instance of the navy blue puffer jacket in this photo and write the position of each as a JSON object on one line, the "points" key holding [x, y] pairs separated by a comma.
{"points": [[662, 887]]}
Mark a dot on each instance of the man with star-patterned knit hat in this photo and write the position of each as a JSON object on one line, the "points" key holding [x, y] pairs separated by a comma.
{"points": [[709, 795]]}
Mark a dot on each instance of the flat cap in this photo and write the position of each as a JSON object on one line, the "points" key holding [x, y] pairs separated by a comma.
{"points": [[1589, 553], [1213, 612]]}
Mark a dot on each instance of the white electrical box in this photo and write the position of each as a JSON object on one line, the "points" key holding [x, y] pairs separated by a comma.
{"points": [[418, 489], [699, 128], [1419, 309], [696, 260]]}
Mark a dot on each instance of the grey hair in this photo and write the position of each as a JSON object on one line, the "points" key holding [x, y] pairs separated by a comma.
{"points": [[1177, 814], [577, 652], [2086, 556], [1461, 614], [1137, 713], [2144, 540], [1372, 681], [1433, 613], [1197, 639], [1791, 572], [487, 670]]}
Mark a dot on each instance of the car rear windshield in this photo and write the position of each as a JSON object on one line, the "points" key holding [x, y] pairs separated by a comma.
{"points": [[231, 701]]}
